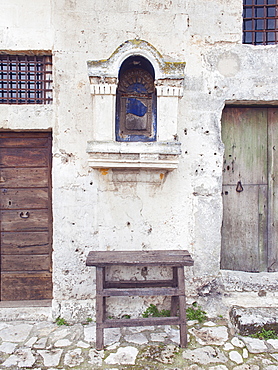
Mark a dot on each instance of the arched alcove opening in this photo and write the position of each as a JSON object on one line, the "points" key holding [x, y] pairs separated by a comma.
{"points": [[136, 101]]}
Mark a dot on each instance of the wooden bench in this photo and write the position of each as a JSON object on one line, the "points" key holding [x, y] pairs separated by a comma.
{"points": [[174, 287]]}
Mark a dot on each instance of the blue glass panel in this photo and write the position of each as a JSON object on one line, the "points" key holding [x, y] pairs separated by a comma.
{"points": [[259, 12], [271, 12], [270, 37], [259, 24], [247, 13], [271, 24], [247, 25], [259, 37]]}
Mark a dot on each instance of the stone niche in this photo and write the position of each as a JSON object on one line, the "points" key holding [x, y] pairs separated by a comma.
{"points": [[162, 151]]}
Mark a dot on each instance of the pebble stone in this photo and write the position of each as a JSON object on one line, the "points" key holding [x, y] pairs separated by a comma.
{"points": [[46, 346], [237, 342], [228, 346], [244, 353], [236, 357]]}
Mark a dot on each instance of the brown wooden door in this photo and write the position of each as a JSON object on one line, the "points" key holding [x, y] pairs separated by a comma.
{"points": [[250, 227], [26, 217]]}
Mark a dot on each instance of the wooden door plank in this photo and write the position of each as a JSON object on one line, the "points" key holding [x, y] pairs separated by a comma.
{"points": [[25, 243], [273, 189], [25, 263], [24, 177], [24, 157], [15, 135], [26, 286], [23, 142], [23, 198], [37, 220]]}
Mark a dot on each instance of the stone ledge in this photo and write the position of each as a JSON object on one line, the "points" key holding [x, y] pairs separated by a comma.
{"points": [[133, 155], [250, 320]]}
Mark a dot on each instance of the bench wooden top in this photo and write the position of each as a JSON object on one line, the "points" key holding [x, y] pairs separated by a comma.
{"points": [[141, 258]]}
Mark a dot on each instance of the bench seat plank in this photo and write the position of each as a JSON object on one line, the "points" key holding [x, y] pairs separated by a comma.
{"points": [[140, 258]]}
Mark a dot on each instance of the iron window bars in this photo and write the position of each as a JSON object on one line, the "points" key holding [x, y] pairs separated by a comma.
{"points": [[25, 79], [260, 22]]}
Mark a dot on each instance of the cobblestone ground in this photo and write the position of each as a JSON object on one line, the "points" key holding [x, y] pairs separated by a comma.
{"points": [[212, 345]]}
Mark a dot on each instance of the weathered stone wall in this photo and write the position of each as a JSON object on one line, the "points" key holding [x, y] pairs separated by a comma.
{"points": [[107, 210]]}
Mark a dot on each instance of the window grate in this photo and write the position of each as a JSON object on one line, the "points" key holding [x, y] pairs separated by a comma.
{"points": [[25, 79], [260, 22]]}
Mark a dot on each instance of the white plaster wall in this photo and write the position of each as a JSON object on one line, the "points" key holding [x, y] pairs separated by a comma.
{"points": [[106, 210]]}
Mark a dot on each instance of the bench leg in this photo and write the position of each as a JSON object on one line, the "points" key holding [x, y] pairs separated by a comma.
{"points": [[182, 308], [100, 307], [174, 299]]}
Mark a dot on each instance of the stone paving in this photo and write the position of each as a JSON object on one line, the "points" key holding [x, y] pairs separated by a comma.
{"points": [[213, 345]]}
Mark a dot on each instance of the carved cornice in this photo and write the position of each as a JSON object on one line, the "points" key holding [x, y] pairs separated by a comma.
{"points": [[136, 155]]}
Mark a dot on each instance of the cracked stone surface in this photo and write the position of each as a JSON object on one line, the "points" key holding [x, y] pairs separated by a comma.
{"points": [[137, 338], [247, 367], [40, 343], [216, 335], [273, 343], [254, 345], [16, 333], [51, 357], [125, 356], [112, 336], [21, 358], [95, 357], [163, 355], [205, 355], [7, 347], [46, 346], [62, 343], [74, 358]]}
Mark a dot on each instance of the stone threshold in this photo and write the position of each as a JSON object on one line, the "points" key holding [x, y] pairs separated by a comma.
{"points": [[33, 303]]}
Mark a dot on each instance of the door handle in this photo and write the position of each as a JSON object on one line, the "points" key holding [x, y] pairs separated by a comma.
{"points": [[24, 214]]}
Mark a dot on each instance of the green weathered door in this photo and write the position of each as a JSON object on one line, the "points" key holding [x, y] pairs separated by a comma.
{"points": [[249, 231]]}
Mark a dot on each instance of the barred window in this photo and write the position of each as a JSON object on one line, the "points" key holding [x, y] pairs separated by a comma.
{"points": [[260, 22], [25, 79]]}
